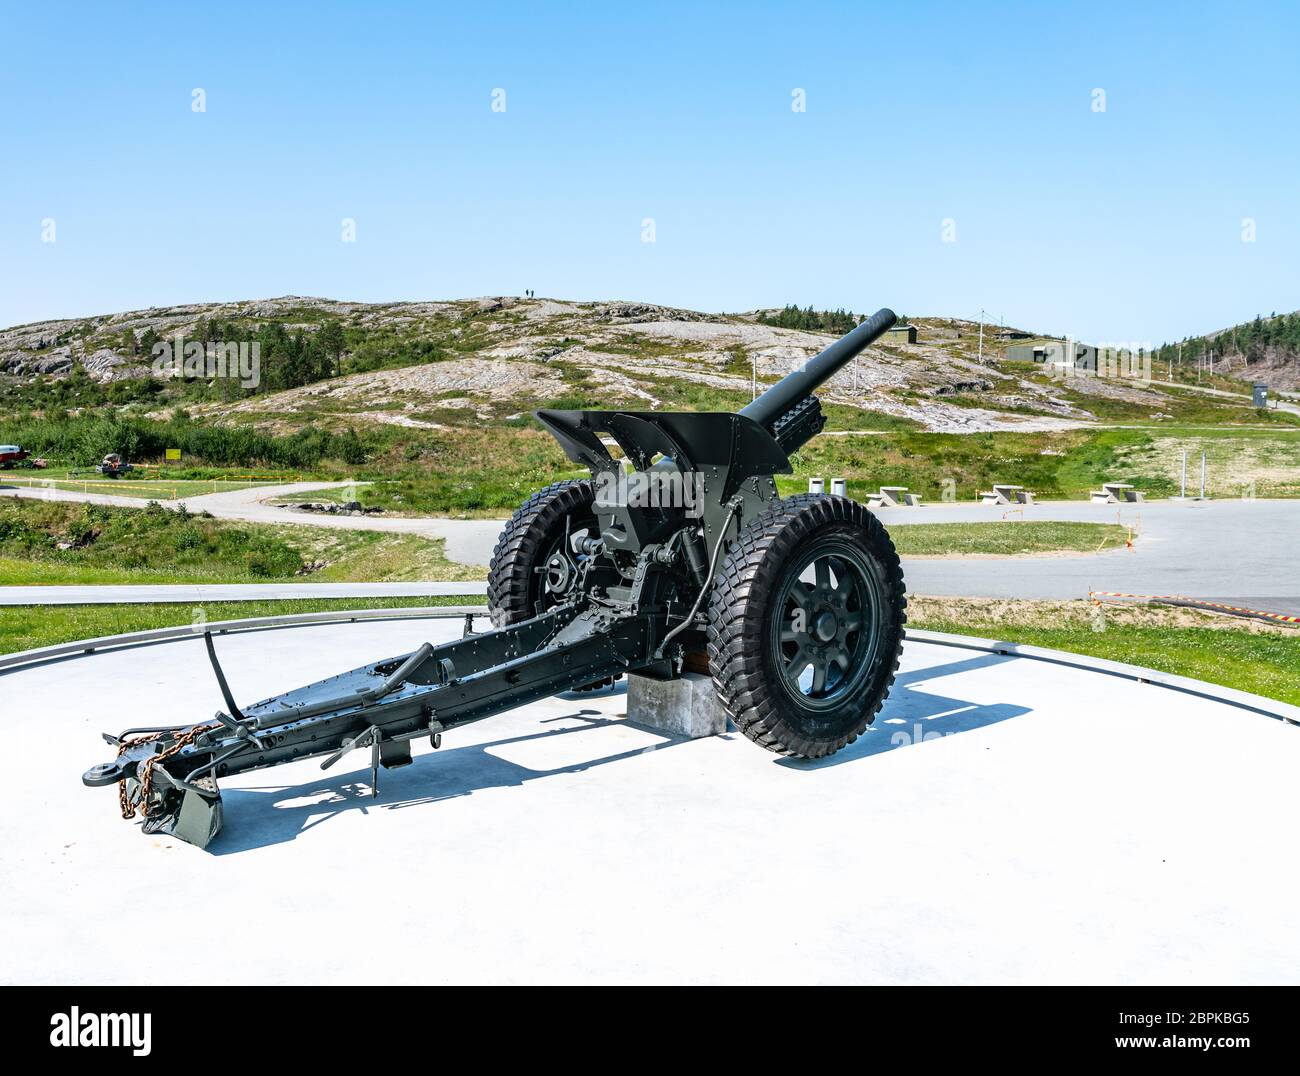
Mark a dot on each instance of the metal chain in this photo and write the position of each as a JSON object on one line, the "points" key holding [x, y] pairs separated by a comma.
{"points": [[145, 772]]}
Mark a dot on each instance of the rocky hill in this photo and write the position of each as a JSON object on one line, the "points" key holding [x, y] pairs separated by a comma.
{"points": [[476, 361]]}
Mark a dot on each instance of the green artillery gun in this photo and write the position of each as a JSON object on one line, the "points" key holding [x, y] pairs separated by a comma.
{"points": [[680, 551]]}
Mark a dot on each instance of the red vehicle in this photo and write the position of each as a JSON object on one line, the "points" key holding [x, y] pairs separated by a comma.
{"points": [[11, 454]]}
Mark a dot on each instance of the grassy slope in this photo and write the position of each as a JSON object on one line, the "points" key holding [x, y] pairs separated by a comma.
{"points": [[156, 545], [1062, 465], [495, 470]]}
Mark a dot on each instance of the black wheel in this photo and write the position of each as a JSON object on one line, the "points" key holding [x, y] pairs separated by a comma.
{"points": [[533, 567], [806, 625]]}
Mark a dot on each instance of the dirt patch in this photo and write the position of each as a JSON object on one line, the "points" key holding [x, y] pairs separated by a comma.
{"points": [[1056, 614]]}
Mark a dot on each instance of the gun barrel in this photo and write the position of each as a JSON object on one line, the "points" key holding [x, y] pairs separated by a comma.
{"points": [[777, 400]]}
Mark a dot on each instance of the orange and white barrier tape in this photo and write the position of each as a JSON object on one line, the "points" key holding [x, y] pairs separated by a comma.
{"points": [[1197, 603]]}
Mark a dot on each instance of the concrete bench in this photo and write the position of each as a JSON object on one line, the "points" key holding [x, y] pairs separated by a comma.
{"points": [[893, 497], [1116, 493], [1005, 493]]}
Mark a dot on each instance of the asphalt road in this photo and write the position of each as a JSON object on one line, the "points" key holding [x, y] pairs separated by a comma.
{"points": [[1231, 549]]}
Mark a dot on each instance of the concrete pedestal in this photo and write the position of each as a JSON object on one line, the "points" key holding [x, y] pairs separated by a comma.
{"points": [[687, 706]]}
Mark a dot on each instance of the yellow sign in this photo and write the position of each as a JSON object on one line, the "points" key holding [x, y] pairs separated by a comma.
{"points": [[173, 453]]}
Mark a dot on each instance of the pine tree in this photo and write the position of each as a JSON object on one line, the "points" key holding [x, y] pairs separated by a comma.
{"points": [[331, 341]]}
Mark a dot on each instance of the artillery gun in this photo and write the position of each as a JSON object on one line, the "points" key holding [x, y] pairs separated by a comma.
{"points": [[679, 552]]}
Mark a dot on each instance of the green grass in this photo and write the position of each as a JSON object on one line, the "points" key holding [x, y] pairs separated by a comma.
{"points": [[1219, 651], [465, 471], [1008, 538], [25, 627]]}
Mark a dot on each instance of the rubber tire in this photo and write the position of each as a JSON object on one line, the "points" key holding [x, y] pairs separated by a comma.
{"points": [[524, 541], [739, 614]]}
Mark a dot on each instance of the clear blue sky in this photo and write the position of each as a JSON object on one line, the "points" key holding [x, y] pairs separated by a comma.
{"points": [[1122, 225]]}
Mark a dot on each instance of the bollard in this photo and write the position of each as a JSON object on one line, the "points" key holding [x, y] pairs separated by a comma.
{"points": [[816, 485], [839, 487]]}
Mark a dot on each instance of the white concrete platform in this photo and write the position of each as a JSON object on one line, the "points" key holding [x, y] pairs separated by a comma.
{"points": [[1005, 821]]}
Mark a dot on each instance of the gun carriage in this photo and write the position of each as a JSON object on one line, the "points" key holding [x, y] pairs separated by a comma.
{"points": [[678, 550]]}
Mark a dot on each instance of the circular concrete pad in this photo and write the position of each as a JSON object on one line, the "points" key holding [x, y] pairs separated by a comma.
{"points": [[1006, 820]]}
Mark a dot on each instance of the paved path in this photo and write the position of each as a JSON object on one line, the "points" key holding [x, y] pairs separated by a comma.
{"points": [[1005, 821]]}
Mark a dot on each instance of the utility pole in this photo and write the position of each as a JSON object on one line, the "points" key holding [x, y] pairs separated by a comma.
{"points": [[753, 380], [981, 356]]}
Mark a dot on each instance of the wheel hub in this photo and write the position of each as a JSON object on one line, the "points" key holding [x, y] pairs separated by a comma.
{"points": [[559, 574], [826, 626]]}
